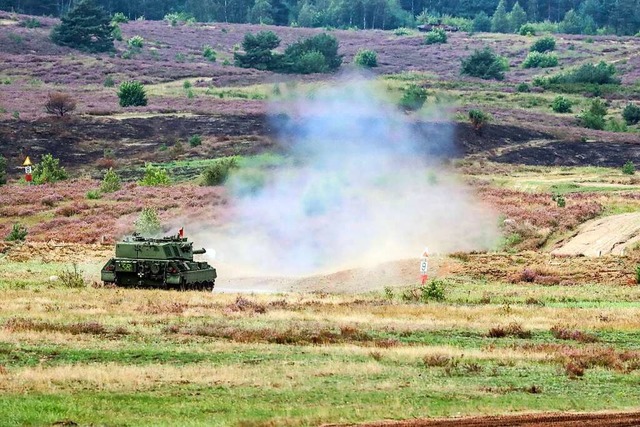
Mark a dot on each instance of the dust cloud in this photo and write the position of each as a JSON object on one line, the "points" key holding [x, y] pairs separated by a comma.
{"points": [[357, 188]]}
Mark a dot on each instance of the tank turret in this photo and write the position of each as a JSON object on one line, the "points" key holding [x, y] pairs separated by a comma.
{"points": [[158, 263]]}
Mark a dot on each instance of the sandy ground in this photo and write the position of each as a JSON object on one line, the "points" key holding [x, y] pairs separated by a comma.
{"points": [[610, 235], [530, 420]]}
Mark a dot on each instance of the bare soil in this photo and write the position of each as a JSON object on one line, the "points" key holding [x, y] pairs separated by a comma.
{"points": [[530, 420]]}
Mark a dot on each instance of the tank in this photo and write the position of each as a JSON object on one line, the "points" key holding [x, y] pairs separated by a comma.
{"points": [[165, 263]]}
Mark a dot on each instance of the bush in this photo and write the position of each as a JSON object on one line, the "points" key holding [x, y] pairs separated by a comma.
{"points": [[94, 194], [110, 182], [72, 279], [132, 94], [3, 170], [481, 22], [116, 32], [195, 140], [631, 114], [109, 82], [148, 222], [48, 170], [433, 291], [218, 172], [615, 125], [17, 234], [30, 23], [317, 54], [258, 51], [561, 105], [119, 18], [593, 118], [599, 74], [155, 176], [478, 119], [629, 168], [527, 30], [59, 104], [484, 64], [366, 58], [544, 44], [413, 98], [136, 42], [436, 36], [209, 53], [523, 88], [540, 60]]}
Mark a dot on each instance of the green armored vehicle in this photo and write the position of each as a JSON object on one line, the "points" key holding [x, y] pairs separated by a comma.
{"points": [[158, 263]]}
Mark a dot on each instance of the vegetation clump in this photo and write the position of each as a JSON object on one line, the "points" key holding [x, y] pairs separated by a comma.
{"points": [[3, 170], [132, 94], [209, 53], [485, 64], [540, 60], [631, 114], [86, 27], [136, 42], [195, 140], [543, 44], [436, 36], [561, 105], [413, 98], [593, 118], [218, 172], [59, 104], [478, 119], [72, 278], [629, 168], [366, 58], [17, 234], [148, 223], [155, 176], [111, 182], [48, 171]]}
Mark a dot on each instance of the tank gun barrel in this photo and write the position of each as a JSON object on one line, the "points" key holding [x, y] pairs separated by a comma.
{"points": [[199, 251]]}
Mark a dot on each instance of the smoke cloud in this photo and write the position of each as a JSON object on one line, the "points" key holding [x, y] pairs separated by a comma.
{"points": [[359, 187]]}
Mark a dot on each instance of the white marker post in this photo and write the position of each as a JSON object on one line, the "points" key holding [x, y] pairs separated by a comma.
{"points": [[27, 170], [424, 265]]}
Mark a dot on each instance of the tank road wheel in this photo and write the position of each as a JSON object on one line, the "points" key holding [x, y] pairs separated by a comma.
{"points": [[209, 286]]}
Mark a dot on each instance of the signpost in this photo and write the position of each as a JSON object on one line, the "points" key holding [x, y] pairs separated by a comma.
{"points": [[424, 265], [27, 170]]}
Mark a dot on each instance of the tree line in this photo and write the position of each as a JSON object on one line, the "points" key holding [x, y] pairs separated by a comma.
{"points": [[584, 16]]}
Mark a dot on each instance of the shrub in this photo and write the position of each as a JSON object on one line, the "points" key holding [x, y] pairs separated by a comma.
{"points": [[523, 88], [561, 203], [563, 333], [94, 194], [3, 170], [186, 84], [302, 56], [478, 119], [436, 36], [484, 64], [110, 182], [218, 172], [366, 58], [593, 118], [512, 330], [209, 53], [481, 22], [109, 82], [195, 140], [258, 51], [561, 105], [17, 234], [599, 74], [631, 114], [148, 223], [48, 170], [433, 291], [136, 42], [413, 98], [30, 23], [540, 60], [59, 103], [132, 94], [544, 44], [72, 279], [116, 32], [527, 30], [615, 125], [155, 176], [629, 168], [309, 63], [87, 27], [119, 18], [179, 18]]}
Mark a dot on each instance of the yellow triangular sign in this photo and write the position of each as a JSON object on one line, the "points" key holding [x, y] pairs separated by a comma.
{"points": [[27, 162]]}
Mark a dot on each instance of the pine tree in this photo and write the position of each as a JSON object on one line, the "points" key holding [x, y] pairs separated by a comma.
{"points": [[261, 13], [517, 17], [86, 27], [532, 10], [500, 21]]}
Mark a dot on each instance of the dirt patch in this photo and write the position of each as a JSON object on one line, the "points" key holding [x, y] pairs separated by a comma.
{"points": [[59, 252], [610, 235], [530, 420]]}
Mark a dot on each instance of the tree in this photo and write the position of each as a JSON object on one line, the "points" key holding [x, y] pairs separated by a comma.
{"points": [[484, 64], [631, 114], [48, 171], [532, 10], [132, 94], [59, 103], [258, 51], [261, 13], [517, 17], [500, 20], [86, 27], [481, 22], [111, 182], [308, 15], [572, 23]]}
